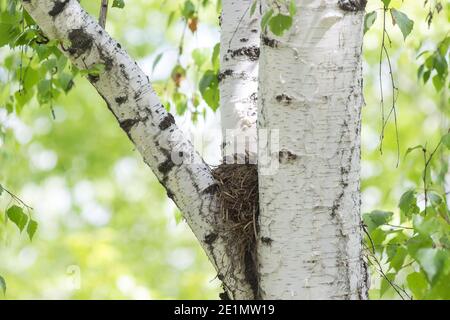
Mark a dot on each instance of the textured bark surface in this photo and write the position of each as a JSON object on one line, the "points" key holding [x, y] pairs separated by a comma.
{"points": [[239, 53], [311, 91], [130, 97]]}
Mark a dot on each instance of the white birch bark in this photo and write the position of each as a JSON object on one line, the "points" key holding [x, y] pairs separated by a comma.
{"points": [[311, 91], [238, 79], [239, 54], [131, 98]]}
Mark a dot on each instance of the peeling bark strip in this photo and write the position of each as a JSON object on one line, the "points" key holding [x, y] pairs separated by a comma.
{"points": [[131, 98], [310, 90]]}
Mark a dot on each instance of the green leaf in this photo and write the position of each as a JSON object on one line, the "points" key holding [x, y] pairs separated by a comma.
{"points": [[404, 23], [65, 81], [386, 3], [417, 283], [253, 8], [265, 18], [426, 76], [180, 101], [215, 59], [409, 150], [16, 215], [435, 198], [157, 60], [31, 228], [432, 262], [425, 225], [209, 88], [118, 4], [292, 8], [408, 203], [446, 140], [438, 83], [440, 64], [280, 23], [369, 20], [376, 218], [188, 9], [385, 284], [178, 217], [398, 258], [2, 285]]}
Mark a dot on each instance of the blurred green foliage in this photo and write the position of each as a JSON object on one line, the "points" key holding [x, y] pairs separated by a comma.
{"points": [[105, 227]]}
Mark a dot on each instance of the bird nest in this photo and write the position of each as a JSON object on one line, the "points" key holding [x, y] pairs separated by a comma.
{"points": [[238, 199], [239, 208]]}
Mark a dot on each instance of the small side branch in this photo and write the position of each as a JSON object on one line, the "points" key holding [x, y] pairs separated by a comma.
{"points": [[103, 13]]}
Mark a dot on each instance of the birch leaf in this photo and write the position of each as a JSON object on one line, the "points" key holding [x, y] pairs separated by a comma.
{"points": [[118, 4], [280, 23], [369, 20], [16, 215], [31, 228], [404, 23], [446, 140]]}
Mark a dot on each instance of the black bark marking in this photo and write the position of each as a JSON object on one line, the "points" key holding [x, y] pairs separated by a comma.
{"points": [[266, 241], [93, 78], [58, 8], [352, 5], [283, 98], [167, 122], [251, 273], [243, 39], [224, 296], [106, 59], [121, 100], [80, 42], [269, 42], [210, 238], [127, 124], [251, 52], [226, 73], [123, 71], [166, 166], [212, 189], [286, 156]]}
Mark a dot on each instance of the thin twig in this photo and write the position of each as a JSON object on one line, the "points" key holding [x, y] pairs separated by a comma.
{"points": [[103, 13]]}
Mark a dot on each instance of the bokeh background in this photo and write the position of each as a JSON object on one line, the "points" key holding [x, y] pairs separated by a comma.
{"points": [[107, 229]]}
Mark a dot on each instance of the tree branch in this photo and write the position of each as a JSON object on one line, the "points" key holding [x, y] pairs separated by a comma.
{"points": [[129, 95]]}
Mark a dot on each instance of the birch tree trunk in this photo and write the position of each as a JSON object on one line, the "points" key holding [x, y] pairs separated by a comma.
{"points": [[129, 95], [238, 80], [310, 93], [239, 52]]}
